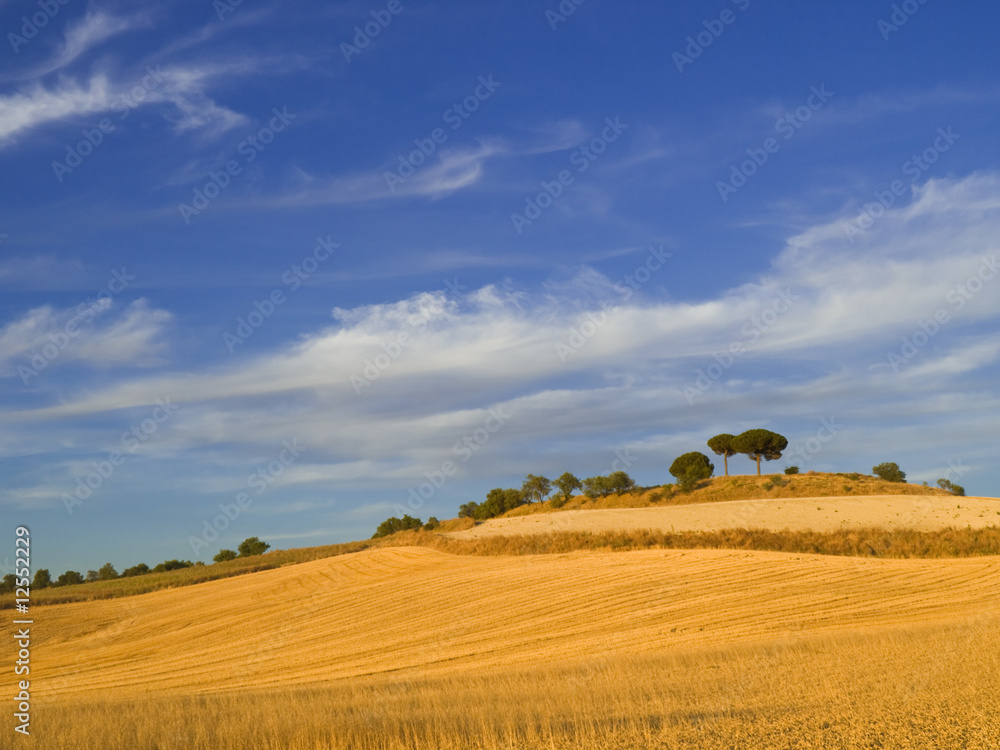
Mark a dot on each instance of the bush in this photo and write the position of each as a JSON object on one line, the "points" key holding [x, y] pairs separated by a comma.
{"points": [[69, 578], [138, 570], [774, 481], [172, 565], [691, 468], [890, 472], [107, 572], [954, 489], [791, 470], [432, 523], [252, 546], [393, 525], [224, 556], [42, 579]]}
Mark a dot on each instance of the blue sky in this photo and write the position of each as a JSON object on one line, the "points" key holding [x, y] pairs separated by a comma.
{"points": [[259, 259]]}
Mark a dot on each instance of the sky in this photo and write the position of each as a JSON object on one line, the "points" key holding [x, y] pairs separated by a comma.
{"points": [[288, 269]]}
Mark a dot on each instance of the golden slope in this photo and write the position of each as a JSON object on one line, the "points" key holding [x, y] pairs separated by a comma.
{"points": [[422, 612], [920, 513]]}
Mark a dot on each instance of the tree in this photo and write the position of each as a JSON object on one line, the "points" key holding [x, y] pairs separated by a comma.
{"points": [[69, 578], [136, 570], [224, 556], [890, 472], [252, 546], [499, 501], [432, 523], [9, 583], [596, 487], [566, 484], [620, 482], [791, 470], [468, 510], [92, 575], [387, 528], [954, 489], [536, 488], [172, 565], [759, 444], [42, 579], [722, 445], [107, 572], [691, 468]]}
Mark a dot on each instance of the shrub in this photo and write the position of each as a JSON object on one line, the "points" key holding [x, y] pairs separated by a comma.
{"points": [[107, 572], [172, 565], [691, 468], [432, 523], [890, 472], [774, 481], [791, 470], [42, 579], [224, 556], [393, 525], [137, 570], [252, 546], [954, 489]]}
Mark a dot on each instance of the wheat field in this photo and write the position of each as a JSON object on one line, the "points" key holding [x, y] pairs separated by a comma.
{"points": [[414, 648]]}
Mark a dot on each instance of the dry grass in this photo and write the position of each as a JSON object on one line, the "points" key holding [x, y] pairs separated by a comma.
{"points": [[405, 648], [908, 688]]}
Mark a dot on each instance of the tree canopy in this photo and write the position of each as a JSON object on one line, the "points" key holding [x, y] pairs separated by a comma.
{"points": [[890, 472], [252, 546], [691, 468], [758, 444], [722, 445]]}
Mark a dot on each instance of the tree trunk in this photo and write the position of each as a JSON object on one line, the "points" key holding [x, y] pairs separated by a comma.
{"points": [[758, 464], [725, 460]]}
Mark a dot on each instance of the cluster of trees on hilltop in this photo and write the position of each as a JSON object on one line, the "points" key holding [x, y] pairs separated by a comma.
{"points": [[757, 444]]}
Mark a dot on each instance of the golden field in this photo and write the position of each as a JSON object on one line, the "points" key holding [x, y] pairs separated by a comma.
{"points": [[412, 647]]}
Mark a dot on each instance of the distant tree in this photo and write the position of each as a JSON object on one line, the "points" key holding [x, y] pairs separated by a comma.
{"points": [[790, 470], [567, 484], [224, 556], [42, 579], [69, 578], [759, 444], [432, 523], [890, 472], [9, 583], [691, 468], [252, 546], [499, 501], [722, 445], [136, 570], [954, 489], [107, 572], [596, 487], [172, 565], [620, 482], [393, 525], [92, 575], [468, 510], [536, 488]]}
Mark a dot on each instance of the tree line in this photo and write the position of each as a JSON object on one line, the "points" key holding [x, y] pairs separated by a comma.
{"points": [[107, 572]]}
